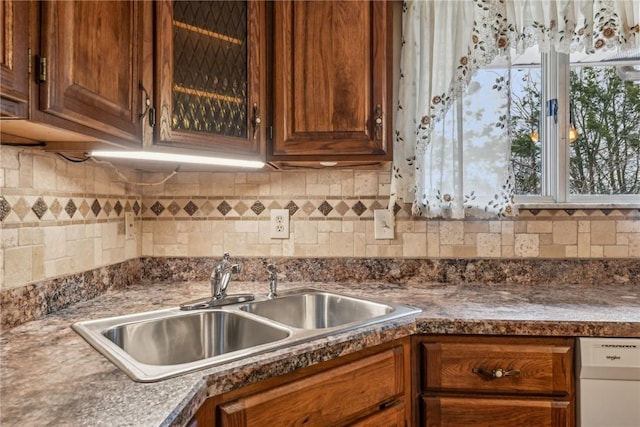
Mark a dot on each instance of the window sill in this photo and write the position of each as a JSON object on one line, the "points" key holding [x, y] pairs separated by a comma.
{"points": [[575, 205]]}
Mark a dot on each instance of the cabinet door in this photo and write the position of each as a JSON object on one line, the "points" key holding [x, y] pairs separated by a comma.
{"points": [[91, 76], [210, 76], [332, 397], [332, 86], [441, 411], [14, 56]]}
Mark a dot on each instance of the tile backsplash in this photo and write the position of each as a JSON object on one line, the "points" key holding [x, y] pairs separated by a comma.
{"points": [[60, 218]]}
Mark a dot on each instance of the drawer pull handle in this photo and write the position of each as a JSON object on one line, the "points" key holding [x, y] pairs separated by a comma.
{"points": [[496, 373]]}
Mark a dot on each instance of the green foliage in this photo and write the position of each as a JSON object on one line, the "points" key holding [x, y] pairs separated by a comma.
{"points": [[605, 159]]}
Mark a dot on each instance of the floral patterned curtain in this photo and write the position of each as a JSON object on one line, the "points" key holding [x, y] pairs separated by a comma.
{"points": [[451, 160]]}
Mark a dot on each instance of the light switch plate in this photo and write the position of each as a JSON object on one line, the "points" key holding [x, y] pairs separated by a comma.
{"points": [[383, 224]]}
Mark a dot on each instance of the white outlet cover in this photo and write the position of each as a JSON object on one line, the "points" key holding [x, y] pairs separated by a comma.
{"points": [[279, 225], [383, 225]]}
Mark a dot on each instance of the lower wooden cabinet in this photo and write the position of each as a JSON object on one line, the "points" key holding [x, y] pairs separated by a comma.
{"points": [[495, 411], [366, 389], [456, 381], [494, 381]]}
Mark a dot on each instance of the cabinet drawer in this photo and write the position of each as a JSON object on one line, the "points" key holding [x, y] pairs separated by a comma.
{"points": [[500, 365], [328, 398], [389, 417], [495, 412]]}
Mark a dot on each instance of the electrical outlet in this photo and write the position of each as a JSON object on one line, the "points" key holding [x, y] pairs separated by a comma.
{"points": [[383, 224], [129, 226], [279, 226]]}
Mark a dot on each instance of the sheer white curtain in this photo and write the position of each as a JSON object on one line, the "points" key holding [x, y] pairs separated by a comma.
{"points": [[451, 160]]}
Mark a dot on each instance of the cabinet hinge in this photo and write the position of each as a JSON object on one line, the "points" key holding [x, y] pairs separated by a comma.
{"points": [[29, 61], [271, 132], [42, 69]]}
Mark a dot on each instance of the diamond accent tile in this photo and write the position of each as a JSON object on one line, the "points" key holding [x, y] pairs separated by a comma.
{"points": [[174, 208], [207, 208], [40, 207], [136, 207], [396, 208], [95, 207], [342, 208], [84, 208], [21, 208], [375, 205], [308, 208], [190, 208], [107, 208], [55, 208], [70, 208], [241, 208], [157, 208], [5, 208], [325, 208], [359, 208], [224, 208], [258, 207], [274, 205], [293, 208], [117, 208]]}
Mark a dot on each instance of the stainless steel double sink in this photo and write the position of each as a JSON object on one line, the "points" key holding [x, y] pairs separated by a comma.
{"points": [[160, 344]]}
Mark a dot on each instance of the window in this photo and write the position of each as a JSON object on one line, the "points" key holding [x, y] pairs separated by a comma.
{"points": [[583, 145]]}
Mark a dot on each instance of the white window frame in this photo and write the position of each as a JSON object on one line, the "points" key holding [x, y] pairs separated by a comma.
{"points": [[555, 155]]}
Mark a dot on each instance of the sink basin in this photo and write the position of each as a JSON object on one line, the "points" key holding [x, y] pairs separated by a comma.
{"points": [[161, 344], [166, 343], [318, 310], [191, 337]]}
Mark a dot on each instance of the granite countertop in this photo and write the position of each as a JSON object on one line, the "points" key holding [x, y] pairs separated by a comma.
{"points": [[50, 376]]}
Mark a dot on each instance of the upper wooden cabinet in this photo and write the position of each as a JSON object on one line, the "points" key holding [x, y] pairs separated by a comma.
{"points": [[14, 77], [84, 73], [210, 76], [332, 82]]}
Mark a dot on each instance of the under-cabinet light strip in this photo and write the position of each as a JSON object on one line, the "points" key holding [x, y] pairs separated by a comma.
{"points": [[177, 158]]}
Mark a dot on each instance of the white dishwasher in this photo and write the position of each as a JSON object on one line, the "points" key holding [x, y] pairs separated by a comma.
{"points": [[608, 392]]}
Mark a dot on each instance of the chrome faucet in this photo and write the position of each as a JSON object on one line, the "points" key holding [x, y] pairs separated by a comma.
{"points": [[273, 281], [221, 276]]}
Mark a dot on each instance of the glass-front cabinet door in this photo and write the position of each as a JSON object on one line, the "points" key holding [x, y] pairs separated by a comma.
{"points": [[210, 79]]}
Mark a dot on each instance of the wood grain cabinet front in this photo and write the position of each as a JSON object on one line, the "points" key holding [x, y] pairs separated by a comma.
{"points": [[71, 73], [365, 389], [210, 76], [332, 83], [480, 381], [14, 85]]}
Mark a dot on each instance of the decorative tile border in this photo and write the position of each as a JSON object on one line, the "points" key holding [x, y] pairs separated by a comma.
{"points": [[35, 208], [222, 208], [23, 209], [227, 208]]}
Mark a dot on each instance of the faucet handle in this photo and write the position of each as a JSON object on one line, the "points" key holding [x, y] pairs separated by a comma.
{"points": [[273, 281]]}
